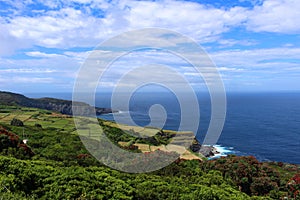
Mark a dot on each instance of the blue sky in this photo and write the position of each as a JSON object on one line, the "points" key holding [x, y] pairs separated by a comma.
{"points": [[255, 44]]}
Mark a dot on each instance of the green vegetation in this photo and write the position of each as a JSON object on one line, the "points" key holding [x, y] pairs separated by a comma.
{"points": [[117, 135], [16, 122], [254, 177], [57, 105], [54, 164]]}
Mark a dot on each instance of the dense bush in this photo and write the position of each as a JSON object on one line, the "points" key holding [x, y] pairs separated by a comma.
{"points": [[11, 145], [294, 186], [16, 122], [250, 175], [51, 180]]}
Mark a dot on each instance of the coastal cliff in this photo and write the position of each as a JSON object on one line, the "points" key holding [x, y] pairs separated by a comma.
{"points": [[58, 105]]}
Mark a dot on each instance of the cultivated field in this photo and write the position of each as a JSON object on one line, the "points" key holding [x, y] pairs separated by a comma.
{"points": [[63, 123]]}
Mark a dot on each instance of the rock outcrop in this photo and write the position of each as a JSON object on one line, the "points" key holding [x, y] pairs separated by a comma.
{"points": [[206, 151]]}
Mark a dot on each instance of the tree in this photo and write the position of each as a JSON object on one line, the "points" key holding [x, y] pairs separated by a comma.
{"points": [[294, 186], [16, 122]]}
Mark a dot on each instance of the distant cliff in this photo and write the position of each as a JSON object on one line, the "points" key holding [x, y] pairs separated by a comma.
{"points": [[58, 105]]}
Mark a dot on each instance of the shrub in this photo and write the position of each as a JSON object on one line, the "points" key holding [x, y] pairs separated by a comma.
{"points": [[16, 122]]}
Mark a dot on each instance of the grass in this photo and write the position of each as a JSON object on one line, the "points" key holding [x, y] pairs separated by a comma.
{"points": [[143, 131], [65, 124], [33, 116]]}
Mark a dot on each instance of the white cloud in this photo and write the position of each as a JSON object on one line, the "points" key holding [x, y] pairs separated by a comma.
{"points": [[10, 43], [41, 54], [229, 69], [79, 56], [270, 60], [18, 79], [190, 18], [69, 27], [65, 27], [232, 42], [54, 65], [281, 16], [27, 70], [62, 29]]}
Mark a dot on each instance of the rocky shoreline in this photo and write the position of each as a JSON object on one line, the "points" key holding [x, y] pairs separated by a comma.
{"points": [[205, 150]]}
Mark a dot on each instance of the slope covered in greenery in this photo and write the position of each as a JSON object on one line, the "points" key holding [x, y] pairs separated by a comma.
{"points": [[61, 168], [58, 105]]}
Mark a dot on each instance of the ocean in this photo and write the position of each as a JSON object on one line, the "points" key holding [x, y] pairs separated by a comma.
{"points": [[265, 125]]}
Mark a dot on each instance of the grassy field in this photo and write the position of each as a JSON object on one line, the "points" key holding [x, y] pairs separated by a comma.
{"points": [[184, 154], [65, 124], [33, 117], [143, 131]]}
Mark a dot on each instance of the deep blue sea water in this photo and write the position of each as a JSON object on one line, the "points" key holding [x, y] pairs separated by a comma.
{"points": [[266, 125]]}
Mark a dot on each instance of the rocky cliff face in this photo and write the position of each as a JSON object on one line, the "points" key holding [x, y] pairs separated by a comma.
{"points": [[58, 105], [206, 151]]}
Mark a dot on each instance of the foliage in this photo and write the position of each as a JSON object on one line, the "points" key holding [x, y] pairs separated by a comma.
{"points": [[11, 145], [250, 175], [294, 186], [61, 167], [16, 122], [47, 180], [117, 135]]}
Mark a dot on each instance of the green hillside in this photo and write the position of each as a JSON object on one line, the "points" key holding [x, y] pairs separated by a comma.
{"points": [[58, 105], [60, 167]]}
